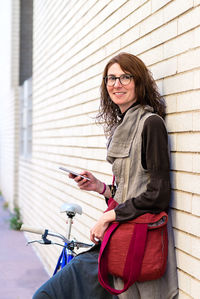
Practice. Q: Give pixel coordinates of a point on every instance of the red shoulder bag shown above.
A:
(134, 250)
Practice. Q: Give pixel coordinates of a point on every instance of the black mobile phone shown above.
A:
(74, 173)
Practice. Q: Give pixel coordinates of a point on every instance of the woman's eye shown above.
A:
(125, 77)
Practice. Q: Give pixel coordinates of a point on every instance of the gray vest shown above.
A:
(124, 152)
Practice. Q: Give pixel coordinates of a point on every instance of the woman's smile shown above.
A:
(119, 94)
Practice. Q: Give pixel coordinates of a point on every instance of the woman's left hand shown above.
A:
(97, 232)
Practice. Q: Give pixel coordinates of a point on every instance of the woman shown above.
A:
(132, 110)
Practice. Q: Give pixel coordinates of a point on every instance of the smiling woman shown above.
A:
(117, 95)
(132, 110)
(121, 87)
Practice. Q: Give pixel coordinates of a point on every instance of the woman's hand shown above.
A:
(92, 185)
(98, 231)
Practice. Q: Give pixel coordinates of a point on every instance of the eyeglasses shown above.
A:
(124, 79)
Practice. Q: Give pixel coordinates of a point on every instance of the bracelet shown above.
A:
(104, 189)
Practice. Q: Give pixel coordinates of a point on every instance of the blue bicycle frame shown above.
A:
(65, 257)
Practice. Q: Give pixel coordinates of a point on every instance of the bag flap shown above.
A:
(153, 220)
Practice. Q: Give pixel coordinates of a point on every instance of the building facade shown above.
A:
(56, 52)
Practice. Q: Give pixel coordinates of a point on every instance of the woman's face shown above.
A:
(122, 95)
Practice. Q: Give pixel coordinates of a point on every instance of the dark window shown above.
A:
(26, 40)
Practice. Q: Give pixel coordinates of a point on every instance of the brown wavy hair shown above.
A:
(145, 88)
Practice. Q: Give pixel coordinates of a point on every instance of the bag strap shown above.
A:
(133, 261)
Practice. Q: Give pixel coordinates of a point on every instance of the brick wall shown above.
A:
(9, 102)
(73, 40)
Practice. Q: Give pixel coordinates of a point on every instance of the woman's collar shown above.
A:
(121, 115)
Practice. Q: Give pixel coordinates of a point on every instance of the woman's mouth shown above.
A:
(118, 93)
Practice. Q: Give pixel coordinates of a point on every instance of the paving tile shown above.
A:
(21, 270)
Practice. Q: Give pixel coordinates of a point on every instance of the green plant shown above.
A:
(5, 205)
(15, 220)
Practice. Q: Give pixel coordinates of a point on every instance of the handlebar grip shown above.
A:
(32, 229)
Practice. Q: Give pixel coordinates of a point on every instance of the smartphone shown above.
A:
(74, 173)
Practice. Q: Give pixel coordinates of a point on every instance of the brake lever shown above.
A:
(44, 242)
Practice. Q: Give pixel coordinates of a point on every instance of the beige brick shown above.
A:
(152, 22)
(197, 37)
(179, 83)
(196, 121)
(159, 84)
(189, 285)
(140, 14)
(188, 182)
(176, 8)
(181, 122)
(152, 56)
(189, 20)
(195, 288)
(196, 163)
(180, 44)
(183, 241)
(188, 101)
(182, 201)
(187, 243)
(182, 161)
(195, 247)
(196, 79)
(164, 33)
(117, 30)
(196, 206)
(186, 222)
(183, 295)
(189, 264)
(171, 103)
(154, 38)
(130, 35)
(156, 4)
(184, 282)
(164, 68)
(189, 60)
(136, 4)
(114, 44)
(172, 142)
(188, 142)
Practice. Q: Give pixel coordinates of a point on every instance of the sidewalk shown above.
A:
(21, 272)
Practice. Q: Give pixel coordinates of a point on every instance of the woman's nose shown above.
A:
(117, 83)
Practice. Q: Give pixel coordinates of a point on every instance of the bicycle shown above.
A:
(68, 252)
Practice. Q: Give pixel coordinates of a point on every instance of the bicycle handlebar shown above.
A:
(45, 232)
(31, 229)
(42, 231)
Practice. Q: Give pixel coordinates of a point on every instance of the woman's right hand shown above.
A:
(89, 185)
